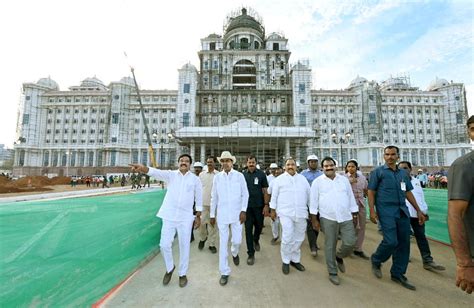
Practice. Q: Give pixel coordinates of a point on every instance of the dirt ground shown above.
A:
(264, 285)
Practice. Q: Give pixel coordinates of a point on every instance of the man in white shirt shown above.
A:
(289, 201)
(206, 230)
(184, 189)
(229, 197)
(275, 171)
(419, 230)
(332, 198)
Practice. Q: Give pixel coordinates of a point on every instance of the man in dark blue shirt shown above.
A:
(311, 174)
(388, 188)
(257, 208)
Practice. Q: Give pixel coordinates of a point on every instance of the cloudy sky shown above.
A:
(72, 40)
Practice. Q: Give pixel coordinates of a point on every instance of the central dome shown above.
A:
(244, 21)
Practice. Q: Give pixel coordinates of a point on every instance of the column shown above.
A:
(276, 155)
(50, 157)
(203, 151)
(192, 150)
(287, 148)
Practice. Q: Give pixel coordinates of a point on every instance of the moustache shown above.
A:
(329, 170)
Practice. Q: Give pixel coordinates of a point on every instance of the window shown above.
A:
(186, 88)
(301, 88)
(26, 119)
(302, 119)
(115, 118)
(276, 46)
(186, 119)
(372, 118)
(114, 139)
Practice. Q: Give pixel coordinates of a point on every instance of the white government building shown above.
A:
(245, 97)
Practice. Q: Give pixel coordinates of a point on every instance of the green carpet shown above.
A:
(437, 226)
(71, 252)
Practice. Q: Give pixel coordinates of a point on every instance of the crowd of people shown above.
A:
(221, 203)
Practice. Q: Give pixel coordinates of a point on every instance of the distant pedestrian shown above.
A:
(207, 232)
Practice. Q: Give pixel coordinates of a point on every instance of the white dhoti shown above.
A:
(168, 231)
(292, 235)
(236, 240)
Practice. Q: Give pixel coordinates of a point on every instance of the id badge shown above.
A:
(255, 181)
(403, 186)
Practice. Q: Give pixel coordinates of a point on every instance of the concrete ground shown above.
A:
(264, 285)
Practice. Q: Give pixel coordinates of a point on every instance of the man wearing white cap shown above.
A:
(229, 198)
(184, 189)
(311, 174)
(276, 220)
(198, 168)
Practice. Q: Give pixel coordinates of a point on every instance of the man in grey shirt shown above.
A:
(461, 214)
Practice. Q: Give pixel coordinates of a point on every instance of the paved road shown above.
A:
(264, 285)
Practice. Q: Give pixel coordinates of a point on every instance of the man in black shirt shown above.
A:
(257, 185)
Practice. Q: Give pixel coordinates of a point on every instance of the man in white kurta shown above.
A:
(333, 199)
(207, 232)
(184, 189)
(275, 223)
(289, 201)
(229, 199)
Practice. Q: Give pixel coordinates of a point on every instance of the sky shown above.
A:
(69, 41)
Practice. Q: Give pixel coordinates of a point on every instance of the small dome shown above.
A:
(92, 82)
(188, 66)
(213, 36)
(49, 83)
(437, 83)
(275, 36)
(245, 21)
(357, 81)
(128, 80)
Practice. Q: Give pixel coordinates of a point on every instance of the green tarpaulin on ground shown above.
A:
(73, 251)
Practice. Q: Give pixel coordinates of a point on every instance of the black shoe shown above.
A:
(361, 254)
(334, 279)
(236, 259)
(432, 266)
(183, 281)
(404, 282)
(256, 245)
(376, 269)
(298, 266)
(223, 280)
(250, 260)
(213, 249)
(167, 277)
(340, 265)
(285, 268)
(201, 244)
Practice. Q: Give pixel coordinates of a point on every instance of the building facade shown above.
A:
(245, 97)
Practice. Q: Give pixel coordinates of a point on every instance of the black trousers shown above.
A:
(421, 241)
(253, 220)
(312, 236)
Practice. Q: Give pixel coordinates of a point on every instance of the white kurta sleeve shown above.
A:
(214, 197)
(198, 194)
(160, 175)
(275, 191)
(245, 193)
(314, 198)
